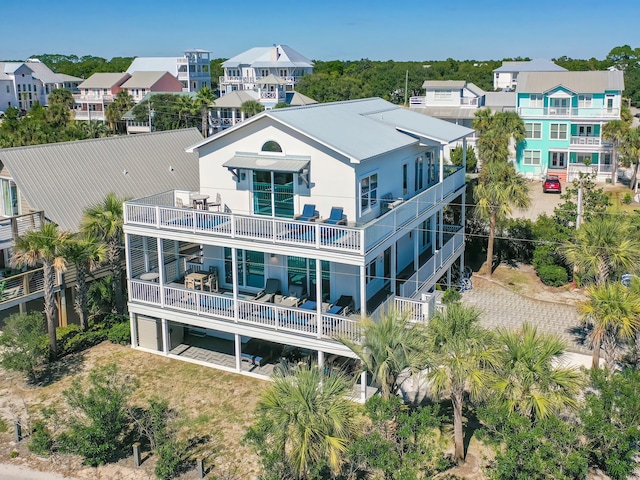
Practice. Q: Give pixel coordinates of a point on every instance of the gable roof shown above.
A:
(65, 178)
(296, 99)
(147, 79)
(577, 82)
(444, 84)
(154, 64)
(104, 80)
(235, 99)
(43, 73)
(11, 67)
(275, 56)
(358, 129)
(535, 65)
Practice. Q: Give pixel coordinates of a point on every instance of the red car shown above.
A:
(552, 184)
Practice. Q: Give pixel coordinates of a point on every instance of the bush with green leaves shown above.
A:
(456, 158)
(24, 345)
(549, 266)
(516, 241)
(99, 417)
(451, 295)
(40, 440)
(120, 333)
(610, 419)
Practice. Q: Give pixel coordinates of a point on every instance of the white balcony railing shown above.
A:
(567, 112)
(417, 102)
(587, 141)
(240, 80)
(19, 286)
(89, 115)
(14, 227)
(159, 211)
(92, 98)
(266, 315)
(430, 271)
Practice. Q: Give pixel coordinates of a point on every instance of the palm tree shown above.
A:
(105, 221)
(44, 246)
(631, 149)
(122, 103)
(530, 377)
(60, 96)
(614, 132)
(86, 253)
(462, 357)
(305, 419)
(389, 346)
(205, 97)
(251, 108)
(603, 246)
(495, 132)
(186, 108)
(613, 311)
(499, 190)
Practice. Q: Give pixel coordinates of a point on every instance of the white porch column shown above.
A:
(161, 270)
(321, 361)
(416, 250)
(238, 352)
(463, 222)
(394, 268)
(441, 228)
(441, 162)
(127, 255)
(134, 330)
(234, 277)
(145, 251)
(165, 337)
(363, 386)
(464, 154)
(318, 297)
(363, 291)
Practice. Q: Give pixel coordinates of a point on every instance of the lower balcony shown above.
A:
(20, 288)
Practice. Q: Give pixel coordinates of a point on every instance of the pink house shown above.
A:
(96, 92)
(141, 83)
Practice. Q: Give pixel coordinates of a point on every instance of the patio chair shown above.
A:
(271, 289)
(335, 217)
(343, 306)
(298, 292)
(309, 214)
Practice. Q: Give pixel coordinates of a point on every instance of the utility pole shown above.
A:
(406, 87)
(579, 216)
(149, 106)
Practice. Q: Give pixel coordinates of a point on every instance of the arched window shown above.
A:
(271, 146)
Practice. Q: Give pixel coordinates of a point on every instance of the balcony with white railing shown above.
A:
(588, 141)
(89, 115)
(92, 98)
(567, 112)
(161, 212)
(246, 312)
(242, 80)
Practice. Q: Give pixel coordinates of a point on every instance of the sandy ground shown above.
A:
(20, 472)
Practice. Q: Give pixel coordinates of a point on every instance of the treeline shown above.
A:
(84, 66)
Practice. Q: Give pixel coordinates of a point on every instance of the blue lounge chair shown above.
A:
(309, 214)
(335, 217)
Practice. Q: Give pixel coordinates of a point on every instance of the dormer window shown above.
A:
(271, 146)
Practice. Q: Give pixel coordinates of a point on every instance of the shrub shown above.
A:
(553, 275)
(120, 333)
(169, 459)
(543, 255)
(41, 441)
(516, 244)
(627, 198)
(24, 345)
(451, 295)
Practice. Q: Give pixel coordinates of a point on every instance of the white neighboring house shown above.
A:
(505, 77)
(247, 70)
(307, 219)
(458, 101)
(192, 69)
(24, 83)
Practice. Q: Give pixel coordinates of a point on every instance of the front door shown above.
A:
(558, 160)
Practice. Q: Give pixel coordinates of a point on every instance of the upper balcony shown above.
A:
(240, 80)
(92, 98)
(14, 227)
(421, 102)
(163, 212)
(567, 112)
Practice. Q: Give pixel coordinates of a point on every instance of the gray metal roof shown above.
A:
(500, 100)
(63, 179)
(268, 162)
(577, 82)
(154, 64)
(358, 129)
(275, 56)
(473, 88)
(235, 99)
(104, 80)
(146, 79)
(271, 79)
(43, 73)
(443, 84)
(447, 112)
(535, 65)
(296, 99)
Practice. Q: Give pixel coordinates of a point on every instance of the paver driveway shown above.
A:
(501, 307)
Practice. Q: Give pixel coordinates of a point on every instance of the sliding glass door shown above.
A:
(273, 194)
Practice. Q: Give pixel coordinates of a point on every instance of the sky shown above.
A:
(328, 30)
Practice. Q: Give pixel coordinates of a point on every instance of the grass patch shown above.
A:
(4, 425)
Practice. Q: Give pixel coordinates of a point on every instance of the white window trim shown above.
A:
(536, 100)
(531, 162)
(533, 130)
(566, 131)
(370, 204)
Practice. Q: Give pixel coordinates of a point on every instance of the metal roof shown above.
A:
(104, 80)
(274, 56)
(235, 99)
(154, 64)
(357, 129)
(499, 100)
(444, 84)
(148, 80)
(296, 99)
(577, 82)
(288, 164)
(271, 79)
(63, 179)
(535, 65)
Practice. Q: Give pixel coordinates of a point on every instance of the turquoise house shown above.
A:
(564, 113)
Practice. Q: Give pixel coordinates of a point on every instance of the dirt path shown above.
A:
(20, 472)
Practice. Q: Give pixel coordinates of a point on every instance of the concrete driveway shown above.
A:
(540, 202)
